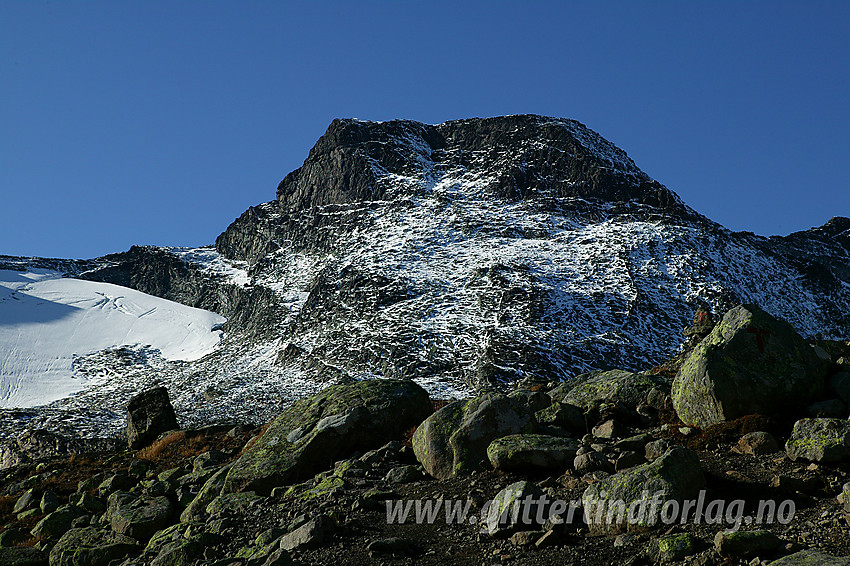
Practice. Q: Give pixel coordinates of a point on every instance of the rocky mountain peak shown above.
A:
(516, 157)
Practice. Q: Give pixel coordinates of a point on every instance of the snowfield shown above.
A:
(47, 321)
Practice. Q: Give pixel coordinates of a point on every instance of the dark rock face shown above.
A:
(559, 164)
(149, 414)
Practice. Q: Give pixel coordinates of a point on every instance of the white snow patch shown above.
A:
(46, 321)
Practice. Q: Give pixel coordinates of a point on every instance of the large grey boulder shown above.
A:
(454, 440)
(751, 363)
(526, 451)
(624, 501)
(617, 389)
(211, 489)
(819, 440)
(149, 414)
(54, 525)
(138, 517)
(315, 432)
(22, 556)
(91, 546)
(514, 507)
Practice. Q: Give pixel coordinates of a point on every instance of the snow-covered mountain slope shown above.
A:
(48, 322)
(466, 253)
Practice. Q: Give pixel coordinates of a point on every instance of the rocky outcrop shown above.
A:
(750, 363)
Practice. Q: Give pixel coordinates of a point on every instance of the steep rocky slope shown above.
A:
(474, 251)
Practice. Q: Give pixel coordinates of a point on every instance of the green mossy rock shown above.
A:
(197, 509)
(811, 558)
(675, 476)
(91, 546)
(54, 525)
(315, 432)
(22, 556)
(618, 388)
(138, 517)
(672, 548)
(745, 544)
(508, 510)
(525, 451)
(751, 363)
(454, 440)
(819, 440)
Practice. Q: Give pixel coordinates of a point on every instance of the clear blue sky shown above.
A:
(159, 122)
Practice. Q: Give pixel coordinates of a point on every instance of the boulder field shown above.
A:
(735, 452)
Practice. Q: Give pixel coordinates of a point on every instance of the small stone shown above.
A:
(610, 429)
(524, 538)
(394, 546)
(404, 474)
(656, 449)
(591, 462)
(757, 443)
(308, 535)
(549, 538)
(628, 459)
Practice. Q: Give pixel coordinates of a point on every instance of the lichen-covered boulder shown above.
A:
(91, 546)
(515, 506)
(819, 440)
(524, 451)
(315, 432)
(811, 558)
(149, 414)
(22, 556)
(56, 524)
(178, 552)
(616, 388)
(745, 544)
(138, 517)
(624, 501)
(751, 363)
(563, 415)
(454, 440)
(234, 503)
(197, 509)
